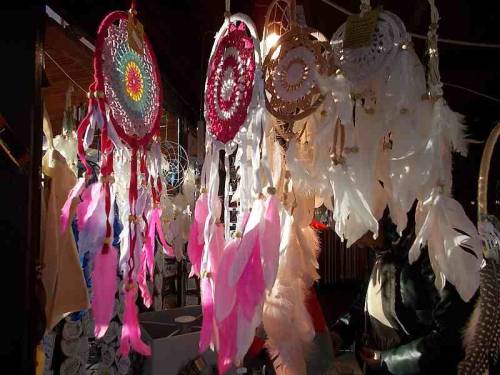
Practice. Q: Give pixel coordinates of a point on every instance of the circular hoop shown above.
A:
(360, 64)
(129, 81)
(484, 172)
(290, 73)
(174, 170)
(230, 80)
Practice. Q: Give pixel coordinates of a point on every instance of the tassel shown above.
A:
(196, 242)
(207, 304)
(91, 220)
(270, 241)
(104, 288)
(131, 332)
(76, 191)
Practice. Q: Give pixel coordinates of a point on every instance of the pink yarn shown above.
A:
(226, 114)
(76, 191)
(207, 304)
(104, 288)
(270, 241)
(195, 243)
(131, 333)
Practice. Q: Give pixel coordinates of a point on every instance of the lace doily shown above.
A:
(361, 63)
(230, 82)
(131, 81)
(291, 70)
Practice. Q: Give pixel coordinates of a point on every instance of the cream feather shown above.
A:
(284, 307)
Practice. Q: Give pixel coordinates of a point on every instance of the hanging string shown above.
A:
(433, 74)
(420, 36)
(486, 96)
(64, 72)
(227, 12)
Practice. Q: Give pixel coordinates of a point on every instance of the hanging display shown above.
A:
(234, 112)
(125, 107)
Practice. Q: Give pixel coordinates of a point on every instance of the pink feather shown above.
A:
(250, 288)
(93, 230)
(270, 241)
(156, 224)
(83, 206)
(207, 304)
(87, 209)
(196, 242)
(65, 211)
(141, 281)
(131, 332)
(104, 288)
(149, 245)
(248, 240)
(227, 342)
(224, 295)
(216, 248)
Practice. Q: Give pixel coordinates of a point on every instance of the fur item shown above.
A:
(482, 335)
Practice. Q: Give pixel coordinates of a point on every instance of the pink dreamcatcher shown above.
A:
(237, 266)
(230, 83)
(125, 105)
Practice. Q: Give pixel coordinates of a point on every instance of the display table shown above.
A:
(173, 335)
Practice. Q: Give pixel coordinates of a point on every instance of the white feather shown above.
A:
(444, 227)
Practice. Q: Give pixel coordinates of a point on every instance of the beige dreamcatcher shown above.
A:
(292, 68)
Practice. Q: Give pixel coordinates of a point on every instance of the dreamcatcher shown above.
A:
(232, 299)
(174, 166)
(396, 146)
(294, 69)
(177, 203)
(125, 104)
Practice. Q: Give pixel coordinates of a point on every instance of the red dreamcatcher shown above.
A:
(125, 105)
